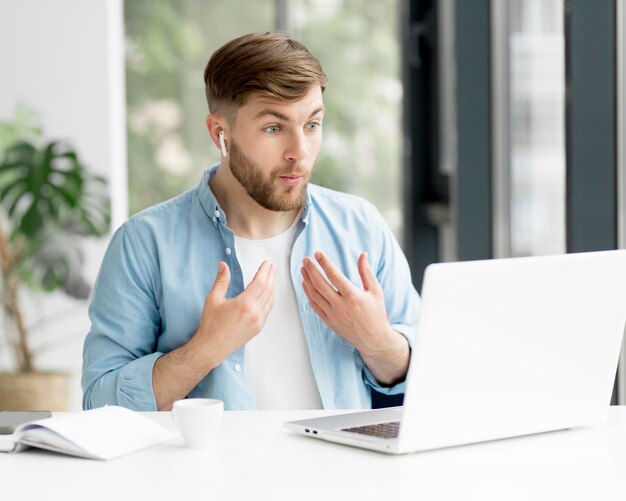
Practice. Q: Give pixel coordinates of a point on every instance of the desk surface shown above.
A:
(258, 458)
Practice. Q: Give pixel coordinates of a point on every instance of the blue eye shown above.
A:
(312, 126)
(272, 129)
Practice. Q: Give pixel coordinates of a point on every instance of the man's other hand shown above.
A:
(357, 314)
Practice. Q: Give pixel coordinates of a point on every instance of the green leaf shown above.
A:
(49, 197)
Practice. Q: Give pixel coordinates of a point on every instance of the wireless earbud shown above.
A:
(222, 144)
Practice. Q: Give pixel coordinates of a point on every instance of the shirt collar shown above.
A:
(207, 198)
(214, 211)
(306, 207)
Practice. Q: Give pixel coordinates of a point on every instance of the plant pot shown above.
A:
(34, 391)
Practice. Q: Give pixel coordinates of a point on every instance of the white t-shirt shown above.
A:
(276, 361)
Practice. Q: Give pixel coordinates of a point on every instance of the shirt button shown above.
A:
(217, 213)
(228, 251)
(237, 368)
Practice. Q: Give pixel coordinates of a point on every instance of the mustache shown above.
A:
(290, 171)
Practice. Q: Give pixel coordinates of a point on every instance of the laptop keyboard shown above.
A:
(381, 430)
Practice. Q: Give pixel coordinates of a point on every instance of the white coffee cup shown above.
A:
(199, 421)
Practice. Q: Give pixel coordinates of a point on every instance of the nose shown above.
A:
(297, 147)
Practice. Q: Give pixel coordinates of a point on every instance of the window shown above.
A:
(167, 46)
(537, 114)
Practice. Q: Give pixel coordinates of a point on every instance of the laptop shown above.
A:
(503, 348)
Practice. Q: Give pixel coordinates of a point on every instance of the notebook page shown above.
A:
(44, 438)
(104, 433)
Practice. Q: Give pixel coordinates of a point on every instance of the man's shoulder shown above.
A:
(168, 209)
(344, 211)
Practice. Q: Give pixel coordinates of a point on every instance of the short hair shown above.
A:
(271, 64)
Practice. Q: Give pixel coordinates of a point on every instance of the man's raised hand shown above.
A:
(227, 324)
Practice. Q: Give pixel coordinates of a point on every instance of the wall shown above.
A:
(65, 60)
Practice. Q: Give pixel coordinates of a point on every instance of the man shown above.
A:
(255, 288)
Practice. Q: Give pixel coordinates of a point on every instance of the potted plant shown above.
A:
(47, 199)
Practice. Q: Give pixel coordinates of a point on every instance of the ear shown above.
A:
(215, 124)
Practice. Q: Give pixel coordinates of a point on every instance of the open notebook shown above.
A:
(103, 433)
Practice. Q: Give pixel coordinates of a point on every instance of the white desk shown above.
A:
(257, 458)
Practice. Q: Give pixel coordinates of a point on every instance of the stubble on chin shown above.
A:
(265, 191)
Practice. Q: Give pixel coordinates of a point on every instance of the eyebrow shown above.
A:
(281, 116)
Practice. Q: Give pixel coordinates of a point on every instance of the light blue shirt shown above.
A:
(161, 264)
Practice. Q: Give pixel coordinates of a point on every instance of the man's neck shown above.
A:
(246, 218)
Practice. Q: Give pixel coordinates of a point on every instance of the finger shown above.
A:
(258, 283)
(335, 276)
(367, 274)
(314, 296)
(316, 307)
(222, 281)
(267, 307)
(317, 282)
(267, 294)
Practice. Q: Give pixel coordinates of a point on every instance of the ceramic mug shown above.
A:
(199, 421)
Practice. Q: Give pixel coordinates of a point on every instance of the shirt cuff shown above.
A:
(134, 384)
(397, 388)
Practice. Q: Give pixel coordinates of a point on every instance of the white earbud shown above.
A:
(222, 144)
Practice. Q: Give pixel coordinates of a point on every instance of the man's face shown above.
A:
(273, 148)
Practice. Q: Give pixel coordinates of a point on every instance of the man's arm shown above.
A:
(390, 364)
(225, 326)
(119, 357)
(119, 350)
(358, 315)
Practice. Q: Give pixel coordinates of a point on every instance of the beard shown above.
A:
(268, 192)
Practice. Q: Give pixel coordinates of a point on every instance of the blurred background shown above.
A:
(169, 43)
(480, 129)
